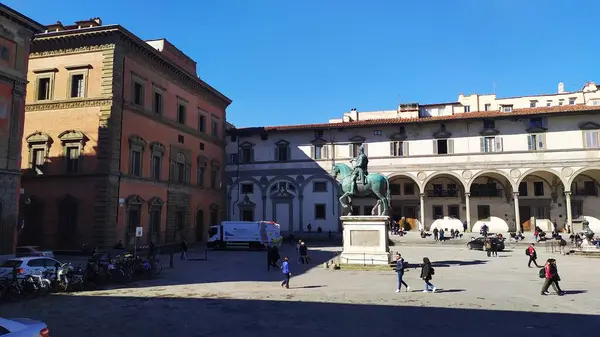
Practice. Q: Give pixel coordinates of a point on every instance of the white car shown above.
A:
(23, 327)
(33, 265)
(24, 251)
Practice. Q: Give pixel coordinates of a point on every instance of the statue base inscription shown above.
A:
(365, 240)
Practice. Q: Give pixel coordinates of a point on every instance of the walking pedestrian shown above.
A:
(435, 234)
(551, 278)
(298, 250)
(488, 247)
(494, 247)
(400, 266)
(530, 251)
(285, 269)
(427, 272)
(184, 250)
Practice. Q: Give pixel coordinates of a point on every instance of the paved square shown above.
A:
(232, 294)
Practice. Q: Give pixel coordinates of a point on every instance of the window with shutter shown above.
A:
(590, 139)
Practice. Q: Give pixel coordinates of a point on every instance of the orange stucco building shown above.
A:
(16, 32)
(120, 133)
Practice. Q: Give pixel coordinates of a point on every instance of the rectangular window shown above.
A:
(319, 186)
(438, 190)
(438, 212)
(136, 163)
(72, 159)
(571, 101)
(538, 188)
(487, 107)
(200, 176)
(491, 144)
(395, 189)
(43, 89)
(282, 153)
(467, 108)
(37, 158)
(213, 179)
(532, 104)
(320, 212)
(354, 149)
(246, 155)
(548, 103)
(489, 124)
(77, 85)
(483, 212)
(247, 188)
(201, 123)
(452, 190)
(181, 173)
(537, 122)
(233, 159)
(523, 191)
(377, 133)
(591, 139)
(442, 146)
(590, 188)
(507, 108)
(180, 220)
(138, 93)
(158, 103)
(181, 114)
(156, 167)
(409, 189)
(215, 127)
(154, 221)
(454, 211)
(320, 151)
(180, 139)
(318, 133)
(397, 149)
(561, 102)
(536, 142)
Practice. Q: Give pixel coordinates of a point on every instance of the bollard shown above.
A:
(171, 259)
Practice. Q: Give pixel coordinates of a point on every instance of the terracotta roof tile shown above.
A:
(399, 121)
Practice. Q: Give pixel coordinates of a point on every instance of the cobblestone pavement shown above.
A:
(232, 294)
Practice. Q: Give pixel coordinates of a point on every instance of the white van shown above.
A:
(247, 234)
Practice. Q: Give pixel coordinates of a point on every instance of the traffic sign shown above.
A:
(139, 231)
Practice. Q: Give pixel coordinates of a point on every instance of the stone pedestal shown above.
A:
(365, 240)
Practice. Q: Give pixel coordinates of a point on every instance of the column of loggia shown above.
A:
(517, 214)
(422, 210)
(468, 210)
(569, 212)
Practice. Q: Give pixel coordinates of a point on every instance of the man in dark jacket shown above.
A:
(552, 278)
(427, 273)
(400, 266)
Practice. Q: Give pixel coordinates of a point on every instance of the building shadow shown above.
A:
(190, 314)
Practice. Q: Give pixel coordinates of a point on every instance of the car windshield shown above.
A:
(212, 231)
(11, 264)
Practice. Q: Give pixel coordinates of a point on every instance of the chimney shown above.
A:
(561, 87)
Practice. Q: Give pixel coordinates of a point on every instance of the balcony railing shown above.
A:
(442, 193)
(585, 192)
(487, 193)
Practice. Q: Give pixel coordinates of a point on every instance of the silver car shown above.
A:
(24, 251)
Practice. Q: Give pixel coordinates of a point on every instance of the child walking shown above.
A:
(285, 269)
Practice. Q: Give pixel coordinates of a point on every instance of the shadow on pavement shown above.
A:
(106, 316)
(448, 263)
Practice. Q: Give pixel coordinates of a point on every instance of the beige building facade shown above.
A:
(503, 162)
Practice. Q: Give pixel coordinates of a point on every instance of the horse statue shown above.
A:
(375, 183)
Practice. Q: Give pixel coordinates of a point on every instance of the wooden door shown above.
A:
(525, 216)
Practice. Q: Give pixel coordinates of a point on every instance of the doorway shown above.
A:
(410, 214)
(200, 226)
(247, 215)
(525, 216)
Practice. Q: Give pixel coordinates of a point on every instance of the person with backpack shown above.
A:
(530, 251)
(427, 273)
(562, 244)
(550, 275)
(401, 265)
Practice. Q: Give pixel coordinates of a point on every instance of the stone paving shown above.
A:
(232, 294)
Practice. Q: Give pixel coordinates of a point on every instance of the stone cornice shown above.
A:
(68, 51)
(68, 104)
(134, 44)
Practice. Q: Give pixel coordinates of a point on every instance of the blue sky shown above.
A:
(305, 61)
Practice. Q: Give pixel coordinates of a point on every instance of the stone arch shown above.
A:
(536, 170)
(72, 136)
(493, 174)
(282, 178)
(585, 171)
(442, 174)
(235, 184)
(408, 176)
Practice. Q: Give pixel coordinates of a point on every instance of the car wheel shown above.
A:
(469, 246)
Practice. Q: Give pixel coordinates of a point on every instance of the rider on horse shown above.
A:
(360, 169)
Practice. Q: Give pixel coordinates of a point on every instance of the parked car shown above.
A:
(478, 243)
(28, 266)
(23, 327)
(32, 251)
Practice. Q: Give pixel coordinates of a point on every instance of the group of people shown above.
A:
(439, 234)
(427, 272)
